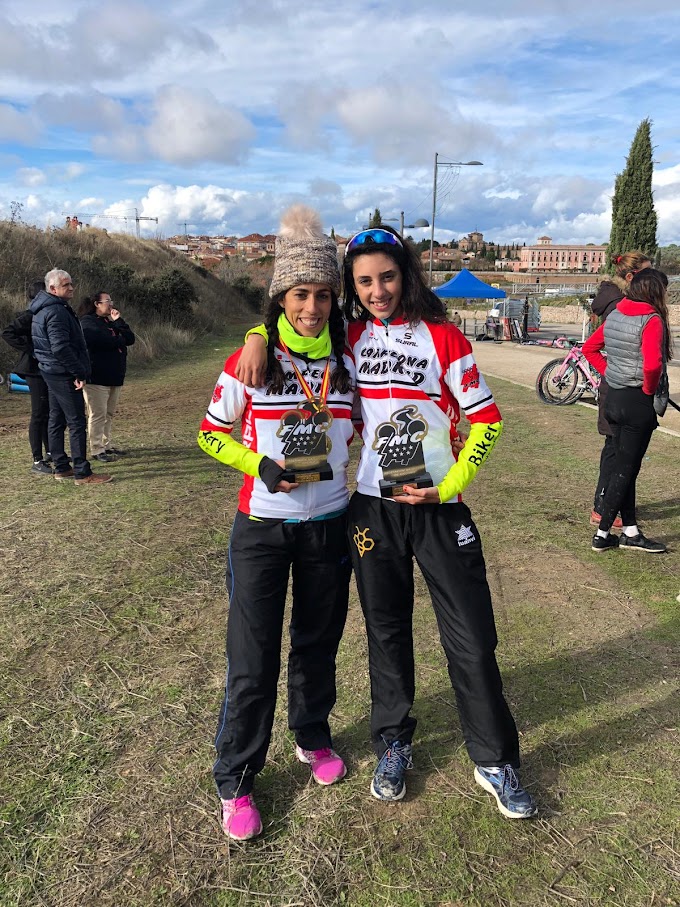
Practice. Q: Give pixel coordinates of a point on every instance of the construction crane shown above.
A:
(125, 217)
(197, 223)
(76, 217)
(139, 217)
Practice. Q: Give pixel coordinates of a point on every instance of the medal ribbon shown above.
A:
(319, 402)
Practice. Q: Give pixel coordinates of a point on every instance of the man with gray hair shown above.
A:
(59, 347)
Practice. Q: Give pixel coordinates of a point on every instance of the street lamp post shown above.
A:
(419, 224)
(437, 164)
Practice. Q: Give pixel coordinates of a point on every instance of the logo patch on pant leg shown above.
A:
(465, 536)
(362, 540)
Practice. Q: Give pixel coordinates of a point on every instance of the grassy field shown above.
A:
(112, 608)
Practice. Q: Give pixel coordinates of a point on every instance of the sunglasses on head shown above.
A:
(372, 237)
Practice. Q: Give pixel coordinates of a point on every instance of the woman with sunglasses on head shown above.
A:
(637, 340)
(107, 336)
(292, 516)
(609, 295)
(415, 376)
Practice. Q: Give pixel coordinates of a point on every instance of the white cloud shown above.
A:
(73, 171)
(16, 126)
(189, 126)
(31, 176)
(344, 110)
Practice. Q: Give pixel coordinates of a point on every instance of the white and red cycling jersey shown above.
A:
(260, 412)
(414, 382)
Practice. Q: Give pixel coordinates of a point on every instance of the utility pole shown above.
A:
(450, 165)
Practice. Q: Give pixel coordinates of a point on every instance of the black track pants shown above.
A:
(261, 555)
(630, 413)
(607, 462)
(384, 538)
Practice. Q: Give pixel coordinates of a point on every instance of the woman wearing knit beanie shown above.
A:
(291, 517)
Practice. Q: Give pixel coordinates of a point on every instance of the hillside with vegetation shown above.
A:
(167, 299)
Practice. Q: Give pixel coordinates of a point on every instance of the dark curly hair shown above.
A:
(340, 377)
(418, 303)
(650, 286)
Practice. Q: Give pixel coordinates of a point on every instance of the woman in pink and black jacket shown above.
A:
(636, 338)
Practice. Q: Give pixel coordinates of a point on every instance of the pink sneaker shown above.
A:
(327, 766)
(240, 818)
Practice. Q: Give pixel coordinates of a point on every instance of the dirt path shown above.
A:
(521, 365)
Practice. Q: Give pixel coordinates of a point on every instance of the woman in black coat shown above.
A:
(18, 335)
(107, 336)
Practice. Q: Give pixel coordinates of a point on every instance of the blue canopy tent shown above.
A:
(466, 286)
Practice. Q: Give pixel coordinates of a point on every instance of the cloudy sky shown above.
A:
(217, 114)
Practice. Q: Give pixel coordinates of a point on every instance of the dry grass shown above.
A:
(99, 261)
(112, 609)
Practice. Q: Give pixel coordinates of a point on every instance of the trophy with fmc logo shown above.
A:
(399, 443)
(304, 432)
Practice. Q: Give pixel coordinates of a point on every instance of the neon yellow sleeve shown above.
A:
(224, 448)
(260, 330)
(481, 441)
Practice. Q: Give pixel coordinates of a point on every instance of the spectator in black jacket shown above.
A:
(107, 337)
(59, 347)
(610, 294)
(18, 335)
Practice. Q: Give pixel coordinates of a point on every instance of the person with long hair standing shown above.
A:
(107, 337)
(609, 295)
(416, 376)
(18, 335)
(637, 340)
(292, 516)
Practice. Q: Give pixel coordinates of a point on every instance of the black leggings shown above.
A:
(607, 463)
(40, 411)
(630, 412)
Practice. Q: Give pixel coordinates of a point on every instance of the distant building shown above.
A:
(255, 245)
(473, 242)
(441, 255)
(545, 257)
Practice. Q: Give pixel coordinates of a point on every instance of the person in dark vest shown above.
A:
(18, 336)
(609, 295)
(637, 338)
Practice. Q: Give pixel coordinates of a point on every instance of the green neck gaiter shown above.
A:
(311, 347)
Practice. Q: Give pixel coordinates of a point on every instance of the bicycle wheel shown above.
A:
(554, 387)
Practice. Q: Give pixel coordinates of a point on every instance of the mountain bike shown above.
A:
(563, 381)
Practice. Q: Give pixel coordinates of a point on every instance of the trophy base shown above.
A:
(390, 489)
(301, 476)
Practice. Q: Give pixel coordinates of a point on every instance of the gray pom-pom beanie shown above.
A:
(304, 254)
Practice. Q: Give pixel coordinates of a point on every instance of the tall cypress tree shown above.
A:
(633, 214)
